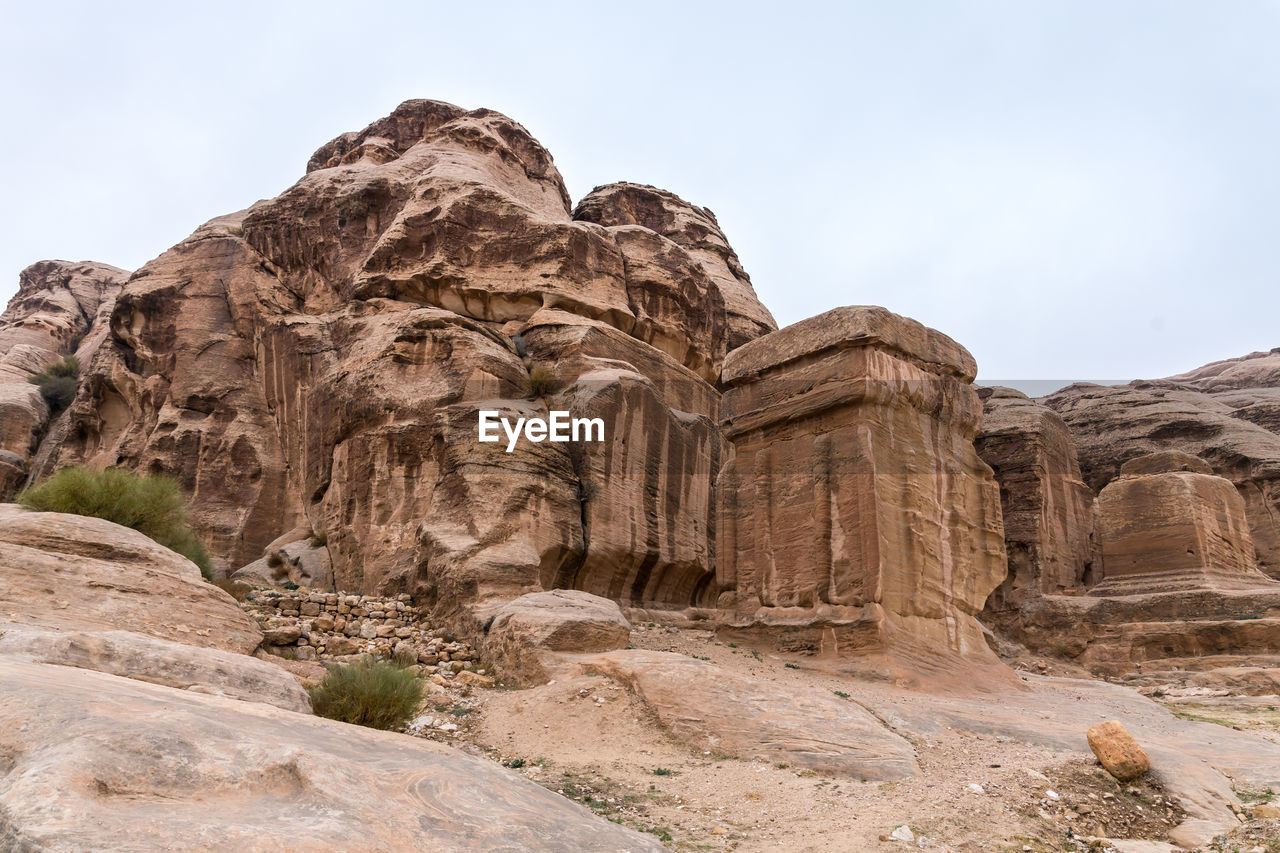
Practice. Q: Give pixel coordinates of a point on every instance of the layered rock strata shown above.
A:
(60, 310)
(312, 370)
(1113, 424)
(855, 514)
(1047, 508)
(1167, 523)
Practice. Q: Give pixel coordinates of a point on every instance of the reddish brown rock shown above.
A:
(647, 493)
(1047, 508)
(1112, 425)
(1167, 523)
(692, 228)
(856, 516)
(1117, 751)
(318, 362)
(60, 309)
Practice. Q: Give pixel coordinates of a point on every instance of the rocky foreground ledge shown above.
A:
(132, 716)
(132, 709)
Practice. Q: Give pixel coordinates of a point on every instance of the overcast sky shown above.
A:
(1070, 189)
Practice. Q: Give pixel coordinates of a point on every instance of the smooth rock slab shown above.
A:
(94, 762)
(710, 709)
(159, 662)
(71, 572)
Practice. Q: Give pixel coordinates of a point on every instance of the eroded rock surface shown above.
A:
(1166, 523)
(526, 631)
(60, 309)
(1047, 508)
(318, 362)
(709, 709)
(856, 515)
(90, 756)
(1113, 424)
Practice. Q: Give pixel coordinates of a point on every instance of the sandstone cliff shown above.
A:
(312, 369)
(59, 310)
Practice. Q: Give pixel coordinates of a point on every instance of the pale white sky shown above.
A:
(1077, 189)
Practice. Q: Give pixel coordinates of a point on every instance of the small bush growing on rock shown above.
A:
(152, 505)
(541, 382)
(58, 383)
(370, 692)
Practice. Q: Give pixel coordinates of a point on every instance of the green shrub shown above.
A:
(541, 382)
(152, 505)
(372, 693)
(58, 383)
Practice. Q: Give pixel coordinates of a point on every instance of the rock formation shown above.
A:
(1168, 523)
(130, 710)
(1112, 425)
(856, 514)
(1047, 508)
(312, 370)
(60, 309)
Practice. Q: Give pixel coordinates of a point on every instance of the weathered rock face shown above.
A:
(647, 493)
(59, 310)
(525, 632)
(692, 228)
(316, 365)
(1167, 523)
(319, 361)
(856, 514)
(1112, 425)
(1047, 508)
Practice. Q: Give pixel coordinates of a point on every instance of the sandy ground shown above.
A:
(587, 738)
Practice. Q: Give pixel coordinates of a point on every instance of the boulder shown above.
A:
(1114, 424)
(525, 630)
(298, 557)
(1117, 751)
(90, 756)
(856, 517)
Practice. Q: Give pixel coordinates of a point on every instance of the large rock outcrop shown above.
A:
(856, 515)
(1113, 424)
(60, 309)
(1047, 508)
(312, 369)
(318, 362)
(1167, 522)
